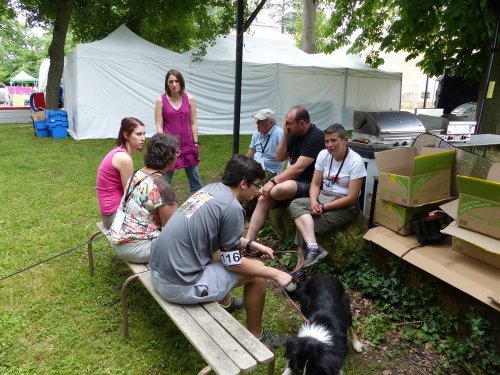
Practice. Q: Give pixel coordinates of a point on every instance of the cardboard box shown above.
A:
(479, 203)
(38, 116)
(476, 252)
(476, 278)
(483, 247)
(398, 218)
(411, 180)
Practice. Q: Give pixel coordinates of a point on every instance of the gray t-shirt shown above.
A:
(210, 219)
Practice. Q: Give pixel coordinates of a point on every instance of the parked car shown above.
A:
(466, 110)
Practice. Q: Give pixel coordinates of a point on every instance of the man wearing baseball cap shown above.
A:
(264, 141)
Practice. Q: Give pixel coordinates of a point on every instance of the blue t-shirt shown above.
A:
(265, 149)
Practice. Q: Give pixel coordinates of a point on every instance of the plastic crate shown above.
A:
(52, 113)
(40, 125)
(53, 124)
(56, 116)
(42, 133)
(59, 131)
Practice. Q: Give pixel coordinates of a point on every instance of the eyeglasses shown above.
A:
(257, 186)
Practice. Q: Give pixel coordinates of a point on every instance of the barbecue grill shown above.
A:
(386, 127)
(377, 131)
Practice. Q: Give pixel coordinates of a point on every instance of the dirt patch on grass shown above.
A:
(393, 355)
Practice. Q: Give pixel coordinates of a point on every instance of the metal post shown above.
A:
(237, 78)
(488, 75)
(240, 29)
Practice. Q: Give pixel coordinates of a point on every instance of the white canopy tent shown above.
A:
(116, 77)
(122, 74)
(278, 75)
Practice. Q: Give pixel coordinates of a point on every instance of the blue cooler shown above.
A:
(41, 128)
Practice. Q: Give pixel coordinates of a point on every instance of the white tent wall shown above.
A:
(319, 90)
(212, 83)
(122, 75)
(116, 77)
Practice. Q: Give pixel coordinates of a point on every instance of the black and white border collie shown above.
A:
(321, 346)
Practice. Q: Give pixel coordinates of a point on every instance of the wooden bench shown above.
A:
(223, 342)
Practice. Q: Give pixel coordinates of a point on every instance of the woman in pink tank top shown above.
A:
(175, 113)
(117, 166)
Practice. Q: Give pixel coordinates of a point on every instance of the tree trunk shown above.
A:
(490, 121)
(56, 52)
(309, 25)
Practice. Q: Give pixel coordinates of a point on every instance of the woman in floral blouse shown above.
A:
(147, 203)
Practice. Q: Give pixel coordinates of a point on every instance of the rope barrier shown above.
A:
(52, 257)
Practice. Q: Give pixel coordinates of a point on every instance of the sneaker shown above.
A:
(236, 304)
(273, 339)
(314, 255)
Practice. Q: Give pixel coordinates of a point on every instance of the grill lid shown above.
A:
(387, 125)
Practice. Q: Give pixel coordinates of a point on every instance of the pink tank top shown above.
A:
(109, 186)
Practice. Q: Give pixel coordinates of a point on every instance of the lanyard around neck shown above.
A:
(265, 144)
(341, 165)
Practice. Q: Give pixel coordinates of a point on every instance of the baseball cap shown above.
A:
(264, 114)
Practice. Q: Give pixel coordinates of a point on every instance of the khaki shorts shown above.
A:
(328, 221)
(214, 284)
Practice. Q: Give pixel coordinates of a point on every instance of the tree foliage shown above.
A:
(177, 25)
(447, 34)
(173, 24)
(20, 49)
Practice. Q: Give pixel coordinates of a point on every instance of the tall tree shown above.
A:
(285, 13)
(309, 25)
(449, 35)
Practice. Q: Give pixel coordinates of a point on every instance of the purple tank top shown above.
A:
(176, 122)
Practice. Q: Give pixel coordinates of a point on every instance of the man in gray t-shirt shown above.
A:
(196, 258)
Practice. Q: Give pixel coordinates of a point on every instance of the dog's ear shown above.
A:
(295, 354)
(328, 362)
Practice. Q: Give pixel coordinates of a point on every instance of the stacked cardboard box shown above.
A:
(409, 185)
(476, 230)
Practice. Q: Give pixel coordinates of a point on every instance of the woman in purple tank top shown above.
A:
(175, 113)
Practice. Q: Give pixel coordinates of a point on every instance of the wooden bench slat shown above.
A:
(134, 267)
(211, 353)
(258, 350)
(224, 340)
(102, 228)
(137, 267)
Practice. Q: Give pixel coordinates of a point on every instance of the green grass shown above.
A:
(55, 318)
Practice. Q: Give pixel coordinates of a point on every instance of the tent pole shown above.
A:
(240, 29)
(237, 78)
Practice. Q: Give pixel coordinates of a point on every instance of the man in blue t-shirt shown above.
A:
(264, 142)
(300, 144)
